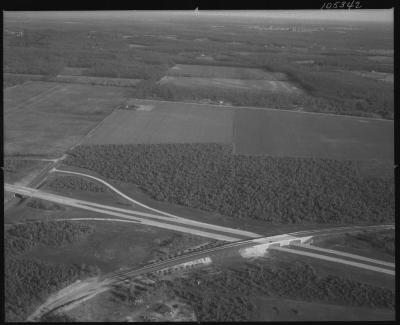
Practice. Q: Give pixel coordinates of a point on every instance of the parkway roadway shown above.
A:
(247, 243)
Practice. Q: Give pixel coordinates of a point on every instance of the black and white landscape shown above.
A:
(198, 166)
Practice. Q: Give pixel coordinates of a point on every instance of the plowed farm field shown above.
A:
(47, 118)
(165, 122)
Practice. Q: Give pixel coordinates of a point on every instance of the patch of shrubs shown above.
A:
(273, 189)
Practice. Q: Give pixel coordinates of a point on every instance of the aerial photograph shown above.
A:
(198, 165)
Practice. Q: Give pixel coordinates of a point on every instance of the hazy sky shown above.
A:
(371, 15)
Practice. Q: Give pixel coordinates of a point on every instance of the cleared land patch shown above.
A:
(193, 82)
(193, 76)
(283, 133)
(133, 45)
(210, 71)
(165, 123)
(46, 118)
(73, 71)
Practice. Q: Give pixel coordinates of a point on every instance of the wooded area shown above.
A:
(28, 282)
(276, 190)
(228, 295)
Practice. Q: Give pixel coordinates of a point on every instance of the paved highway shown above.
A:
(177, 224)
(76, 293)
(334, 259)
(116, 191)
(344, 254)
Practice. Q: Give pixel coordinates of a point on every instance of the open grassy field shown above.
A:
(46, 118)
(163, 122)
(296, 134)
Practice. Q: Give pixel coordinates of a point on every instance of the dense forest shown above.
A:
(276, 190)
(28, 282)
